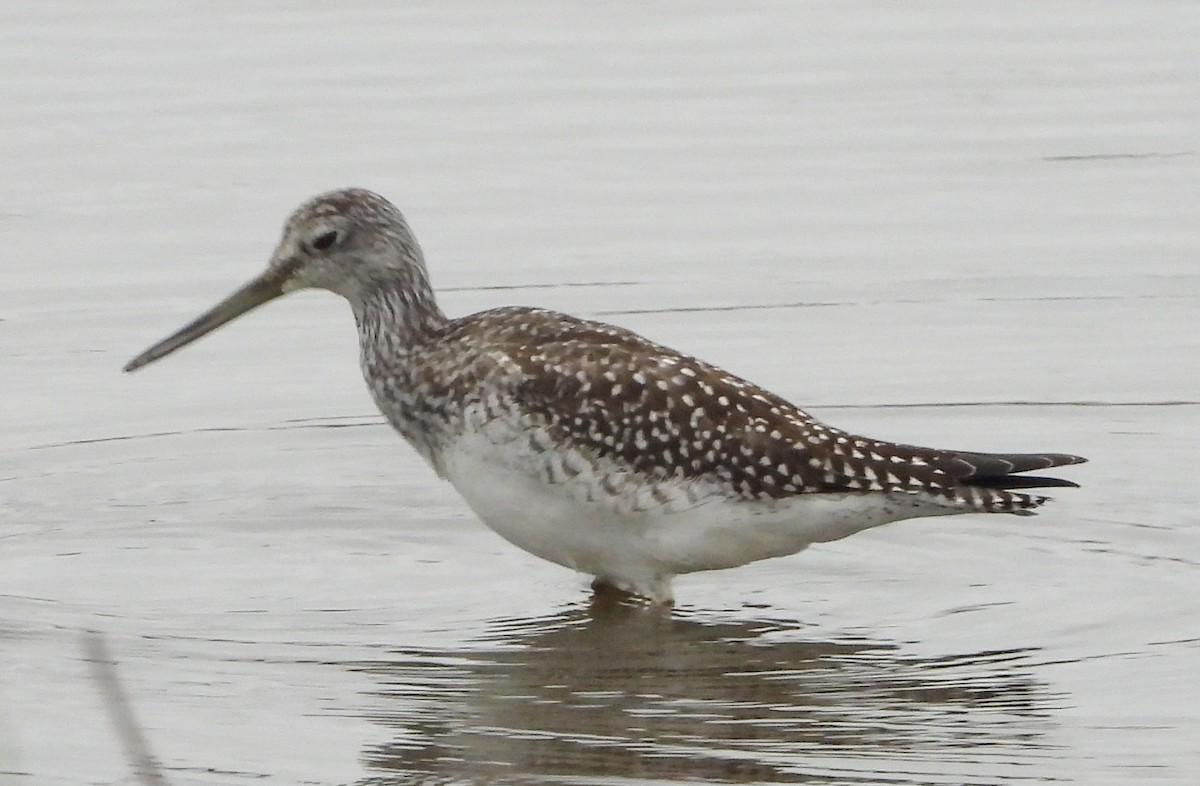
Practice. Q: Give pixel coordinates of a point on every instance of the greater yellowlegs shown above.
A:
(591, 446)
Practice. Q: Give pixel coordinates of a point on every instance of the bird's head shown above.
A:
(351, 242)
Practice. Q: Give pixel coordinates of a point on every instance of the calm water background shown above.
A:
(875, 209)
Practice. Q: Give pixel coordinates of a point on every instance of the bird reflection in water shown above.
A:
(614, 691)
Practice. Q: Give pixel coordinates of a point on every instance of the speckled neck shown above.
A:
(396, 311)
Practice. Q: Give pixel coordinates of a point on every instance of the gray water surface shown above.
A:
(959, 225)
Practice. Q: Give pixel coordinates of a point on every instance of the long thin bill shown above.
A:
(266, 287)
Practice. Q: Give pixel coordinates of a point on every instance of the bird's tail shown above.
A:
(961, 480)
(987, 481)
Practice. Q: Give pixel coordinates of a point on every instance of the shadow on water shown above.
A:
(630, 693)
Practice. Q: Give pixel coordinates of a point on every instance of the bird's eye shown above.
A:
(325, 241)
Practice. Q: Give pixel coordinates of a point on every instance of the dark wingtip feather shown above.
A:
(999, 470)
(995, 464)
(1063, 459)
(1021, 482)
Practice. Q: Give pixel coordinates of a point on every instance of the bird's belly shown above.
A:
(607, 523)
(553, 520)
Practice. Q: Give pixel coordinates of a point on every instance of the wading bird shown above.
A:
(591, 446)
